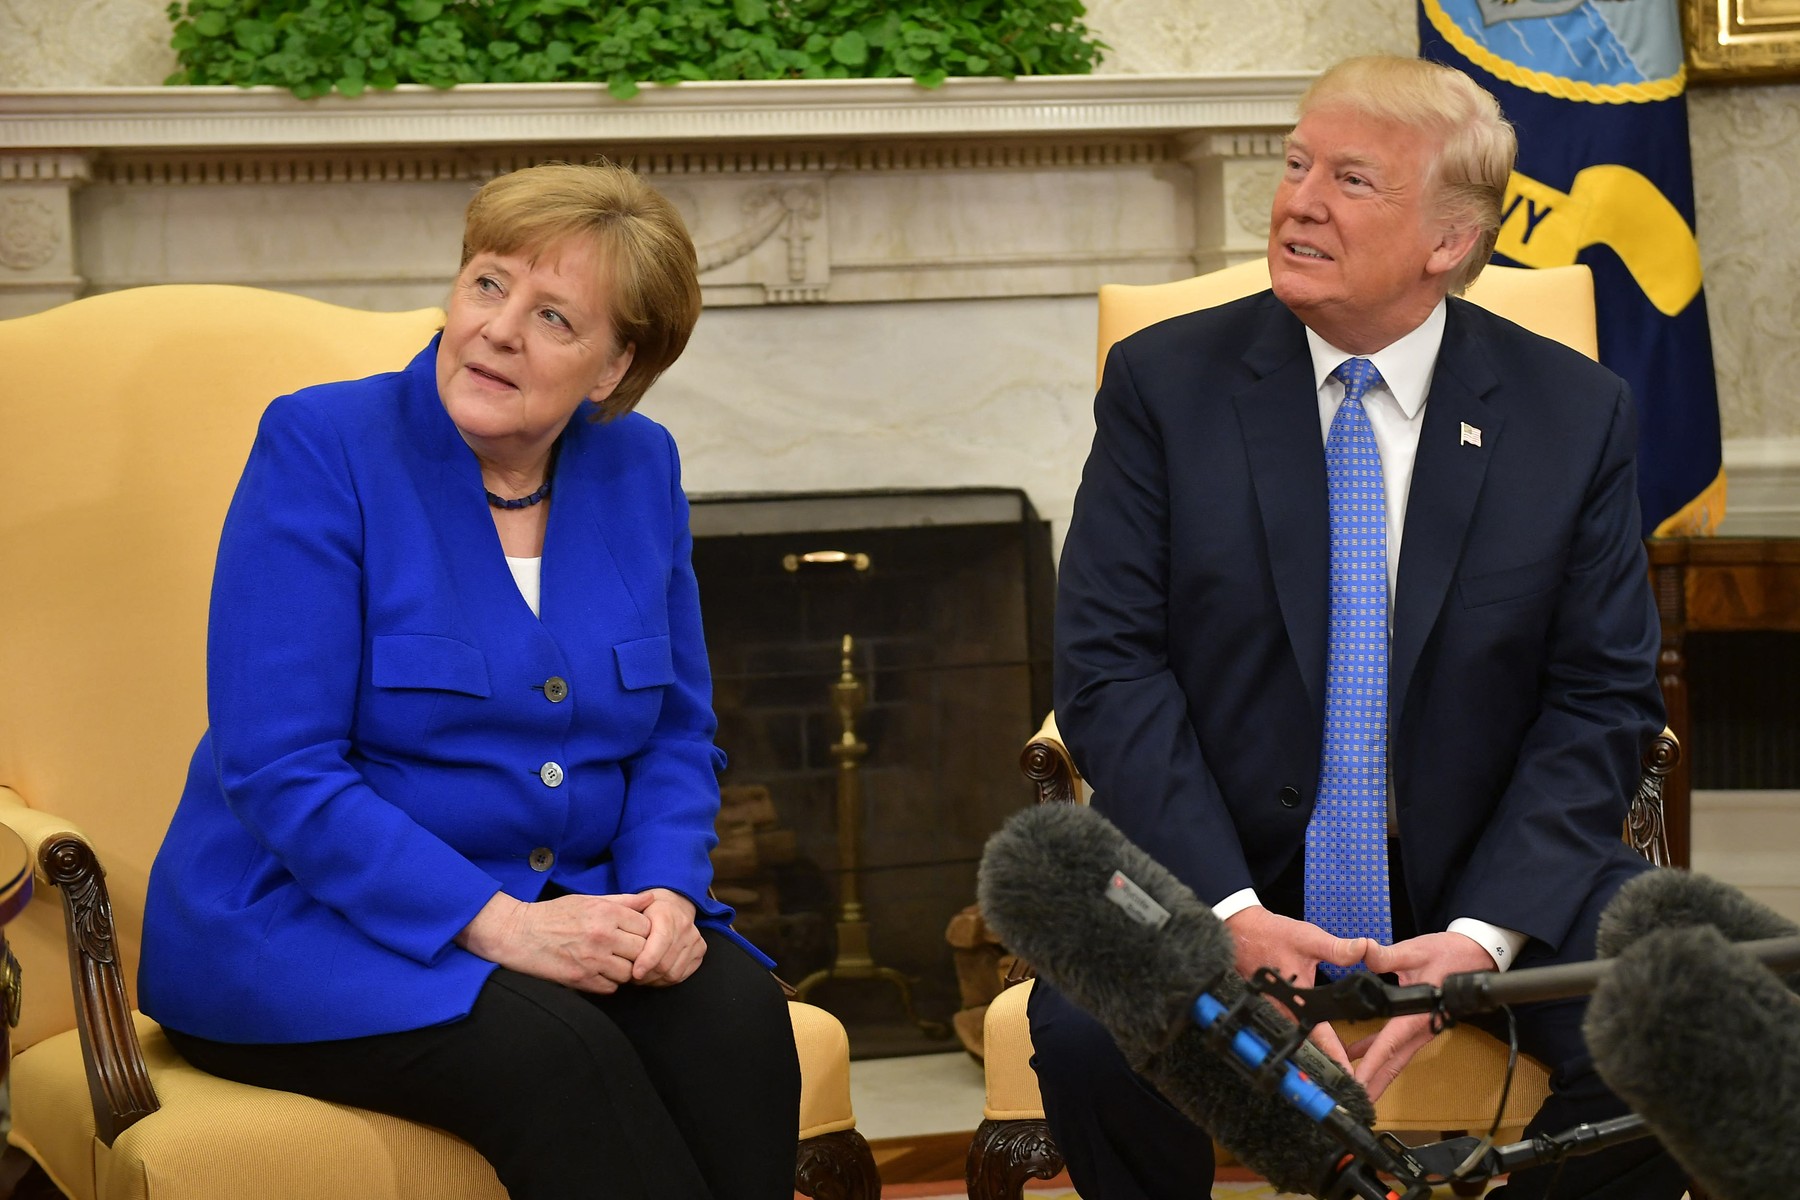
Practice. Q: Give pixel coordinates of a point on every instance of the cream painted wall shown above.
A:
(1748, 178)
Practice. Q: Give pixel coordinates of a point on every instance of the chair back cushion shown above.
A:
(127, 418)
(1556, 302)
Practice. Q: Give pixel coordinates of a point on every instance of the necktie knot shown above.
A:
(1357, 375)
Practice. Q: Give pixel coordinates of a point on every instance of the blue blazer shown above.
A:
(1191, 617)
(380, 725)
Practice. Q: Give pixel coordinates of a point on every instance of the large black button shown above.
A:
(1289, 797)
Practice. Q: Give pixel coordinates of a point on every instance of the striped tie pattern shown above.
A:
(1346, 842)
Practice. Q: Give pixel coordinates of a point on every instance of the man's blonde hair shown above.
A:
(1466, 181)
(650, 272)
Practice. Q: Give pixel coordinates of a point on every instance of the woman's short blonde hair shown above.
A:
(651, 274)
(1476, 145)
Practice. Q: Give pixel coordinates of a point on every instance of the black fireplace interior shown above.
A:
(950, 629)
(1744, 709)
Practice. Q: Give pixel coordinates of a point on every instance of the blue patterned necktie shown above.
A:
(1346, 842)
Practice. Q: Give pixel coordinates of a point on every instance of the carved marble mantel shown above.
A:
(803, 191)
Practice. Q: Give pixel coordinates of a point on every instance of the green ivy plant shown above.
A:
(313, 47)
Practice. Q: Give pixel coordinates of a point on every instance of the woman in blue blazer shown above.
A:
(443, 851)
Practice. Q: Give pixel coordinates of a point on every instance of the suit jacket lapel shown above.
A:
(1447, 479)
(1279, 413)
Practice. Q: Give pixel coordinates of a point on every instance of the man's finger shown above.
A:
(1409, 955)
(1389, 1052)
(1373, 1068)
(1326, 1039)
(1344, 952)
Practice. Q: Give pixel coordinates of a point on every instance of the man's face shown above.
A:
(1356, 248)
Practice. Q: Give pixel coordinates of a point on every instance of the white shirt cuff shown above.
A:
(1235, 903)
(1503, 944)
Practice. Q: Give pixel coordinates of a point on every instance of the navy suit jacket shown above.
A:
(1193, 600)
(373, 772)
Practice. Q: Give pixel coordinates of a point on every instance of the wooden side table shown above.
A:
(15, 894)
(1708, 585)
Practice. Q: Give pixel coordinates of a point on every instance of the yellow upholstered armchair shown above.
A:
(127, 419)
(1454, 1083)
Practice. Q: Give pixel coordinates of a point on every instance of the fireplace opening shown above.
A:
(879, 659)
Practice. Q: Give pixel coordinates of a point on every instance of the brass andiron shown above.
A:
(853, 959)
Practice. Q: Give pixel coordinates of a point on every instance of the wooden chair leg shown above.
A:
(1005, 1154)
(837, 1166)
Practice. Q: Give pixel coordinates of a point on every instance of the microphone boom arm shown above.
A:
(1360, 995)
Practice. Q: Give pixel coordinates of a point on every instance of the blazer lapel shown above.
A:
(1279, 414)
(1447, 478)
(593, 521)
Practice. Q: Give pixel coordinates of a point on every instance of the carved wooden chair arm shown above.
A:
(1644, 827)
(1047, 765)
(118, 1079)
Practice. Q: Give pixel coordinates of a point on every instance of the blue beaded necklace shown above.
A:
(542, 494)
(537, 497)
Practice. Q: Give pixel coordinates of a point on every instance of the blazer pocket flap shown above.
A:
(1512, 583)
(646, 662)
(424, 660)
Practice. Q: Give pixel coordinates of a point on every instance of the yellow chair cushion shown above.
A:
(1451, 1084)
(824, 1071)
(280, 1144)
(1012, 1089)
(295, 1147)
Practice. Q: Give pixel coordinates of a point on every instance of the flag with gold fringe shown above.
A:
(1596, 89)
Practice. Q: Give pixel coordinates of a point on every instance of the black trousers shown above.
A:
(1123, 1141)
(691, 1091)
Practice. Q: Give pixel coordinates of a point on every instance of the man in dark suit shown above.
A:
(1353, 630)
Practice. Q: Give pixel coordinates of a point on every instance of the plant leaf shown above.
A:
(850, 49)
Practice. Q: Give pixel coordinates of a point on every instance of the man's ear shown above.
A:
(615, 371)
(1453, 247)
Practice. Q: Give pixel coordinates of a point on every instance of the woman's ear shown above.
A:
(615, 371)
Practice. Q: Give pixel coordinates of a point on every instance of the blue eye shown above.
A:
(555, 318)
(487, 283)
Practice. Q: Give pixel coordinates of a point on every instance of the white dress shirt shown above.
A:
(1396, 409)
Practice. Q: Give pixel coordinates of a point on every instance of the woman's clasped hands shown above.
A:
(590, 943)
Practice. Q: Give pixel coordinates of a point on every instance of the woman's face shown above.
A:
(528, 339)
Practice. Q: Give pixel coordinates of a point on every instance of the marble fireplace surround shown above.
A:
(799, 192)
(899, 282)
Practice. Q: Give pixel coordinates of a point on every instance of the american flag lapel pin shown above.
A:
(1471, 436)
